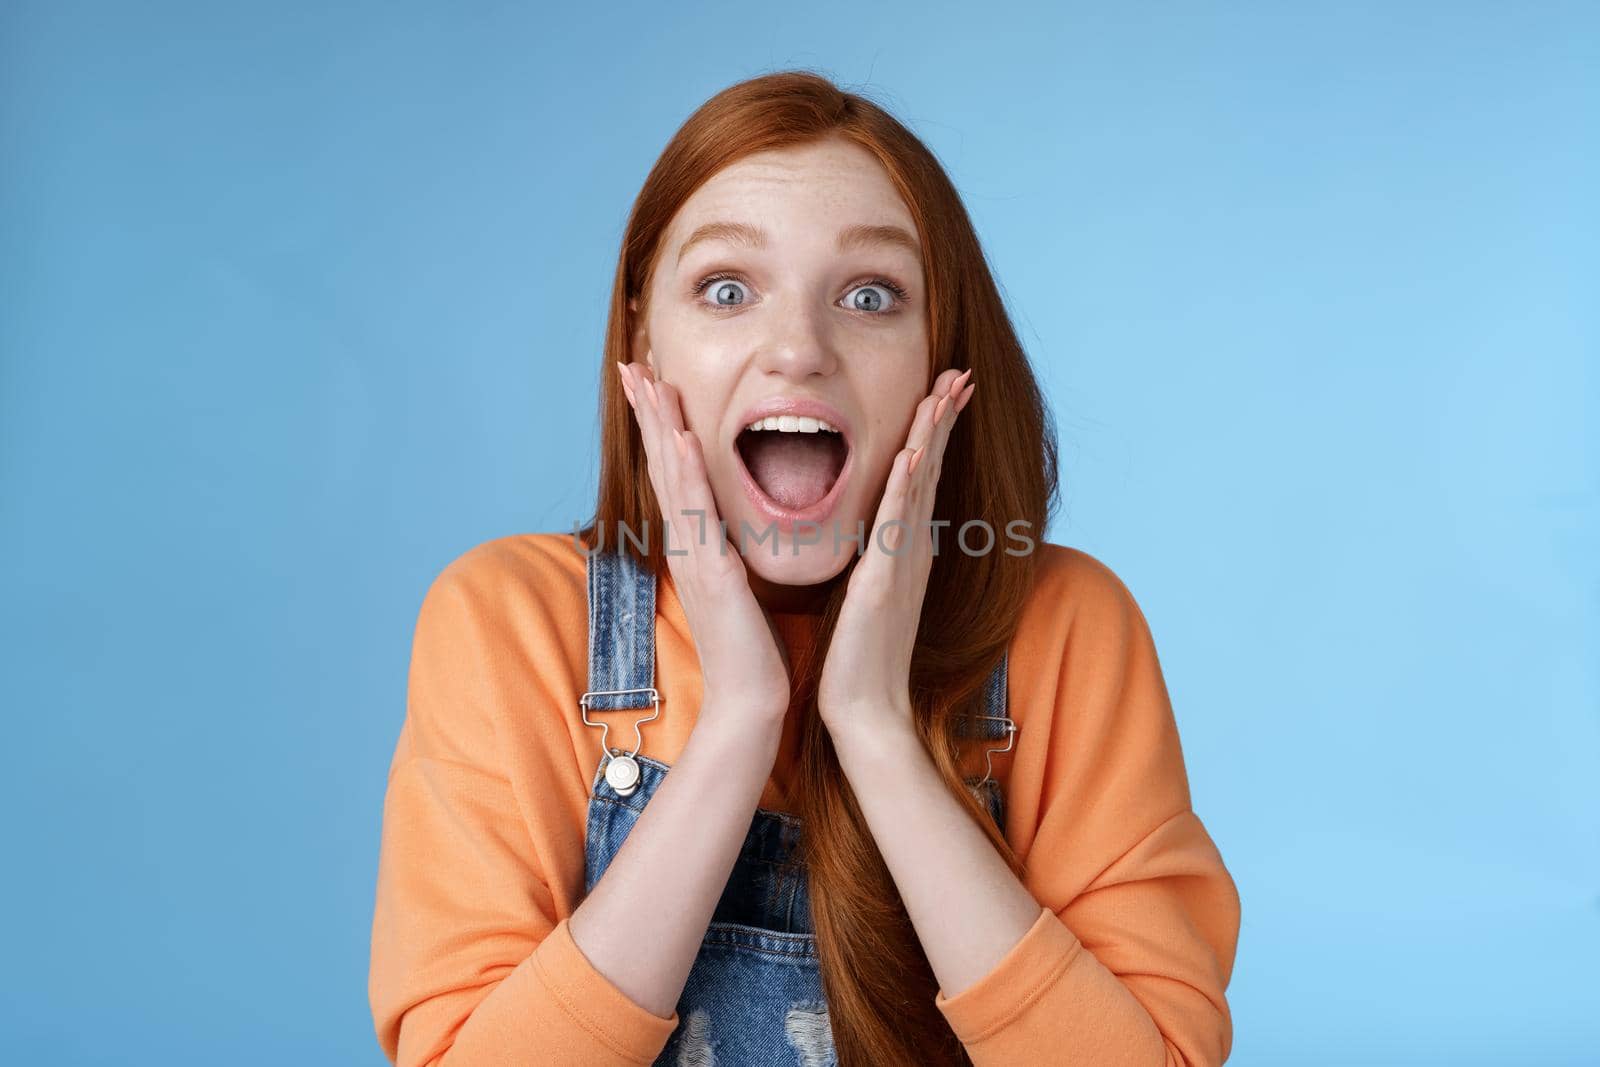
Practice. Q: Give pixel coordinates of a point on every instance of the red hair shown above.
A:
(999, 467)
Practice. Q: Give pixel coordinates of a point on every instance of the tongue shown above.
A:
(795, 469)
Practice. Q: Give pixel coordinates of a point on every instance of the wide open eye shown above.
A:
(878, 297)
(723, 292)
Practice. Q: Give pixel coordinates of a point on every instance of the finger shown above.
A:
(953, 386)
(946, 415)
(890, 529)
(693, 509)
(891, 504)
(627, 384)
(644, 386)
(962, 396)
(966, 396)
(921, 425)
(902, 533)
(933, 461)
(949, 379)
(932, 410)
(670, 404)
(944, 390)
(693, 484)
(667, 411)
(925, 469)
(649, 421)
(661, 453)
(695, 489)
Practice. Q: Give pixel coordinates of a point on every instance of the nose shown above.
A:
(797, 345)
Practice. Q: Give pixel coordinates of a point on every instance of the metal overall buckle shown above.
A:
(989, 754)
(621, 769)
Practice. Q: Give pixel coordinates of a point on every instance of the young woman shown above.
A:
(926, 801)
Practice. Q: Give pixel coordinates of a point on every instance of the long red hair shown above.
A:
(999, 466)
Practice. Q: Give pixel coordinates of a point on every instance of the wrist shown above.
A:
(871, 740)
(856, 712)
(742, 729)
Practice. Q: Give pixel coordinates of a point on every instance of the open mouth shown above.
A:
(795, 462)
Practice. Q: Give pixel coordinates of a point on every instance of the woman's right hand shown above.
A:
(741, 663)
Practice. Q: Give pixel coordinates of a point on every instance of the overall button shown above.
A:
(622, 774)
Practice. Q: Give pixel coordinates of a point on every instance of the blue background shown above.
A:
(301, 301)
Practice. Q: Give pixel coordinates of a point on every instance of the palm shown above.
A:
(865, 678)
(740, 662)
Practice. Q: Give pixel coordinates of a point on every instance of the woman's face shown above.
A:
(791, 281)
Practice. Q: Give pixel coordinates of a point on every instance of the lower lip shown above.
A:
(784, 518)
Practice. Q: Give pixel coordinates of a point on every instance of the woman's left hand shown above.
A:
(864, 691)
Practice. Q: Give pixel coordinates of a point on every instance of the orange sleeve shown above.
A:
(469, 964)
(1134, 945)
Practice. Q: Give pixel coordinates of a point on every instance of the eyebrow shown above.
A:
(858, 236)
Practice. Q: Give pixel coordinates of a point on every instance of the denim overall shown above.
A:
(754, 995)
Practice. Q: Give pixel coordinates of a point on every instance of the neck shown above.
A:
(789, 599)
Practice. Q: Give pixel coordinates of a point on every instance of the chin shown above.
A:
(798, 564)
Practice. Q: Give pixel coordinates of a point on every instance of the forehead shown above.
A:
(787, 192)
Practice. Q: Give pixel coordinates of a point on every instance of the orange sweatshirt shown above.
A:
(482, 853)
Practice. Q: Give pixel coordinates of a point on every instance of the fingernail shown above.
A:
(938, 409)
(916, 457)
(966, 396)
(959, 381)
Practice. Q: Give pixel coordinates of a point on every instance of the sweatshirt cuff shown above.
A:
(605, 1012)
(1021, 978)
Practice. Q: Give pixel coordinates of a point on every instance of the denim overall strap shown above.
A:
(622, 632)
(753, 997)
(993, 725)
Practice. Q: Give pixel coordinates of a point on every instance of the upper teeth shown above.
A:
(792, 424)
